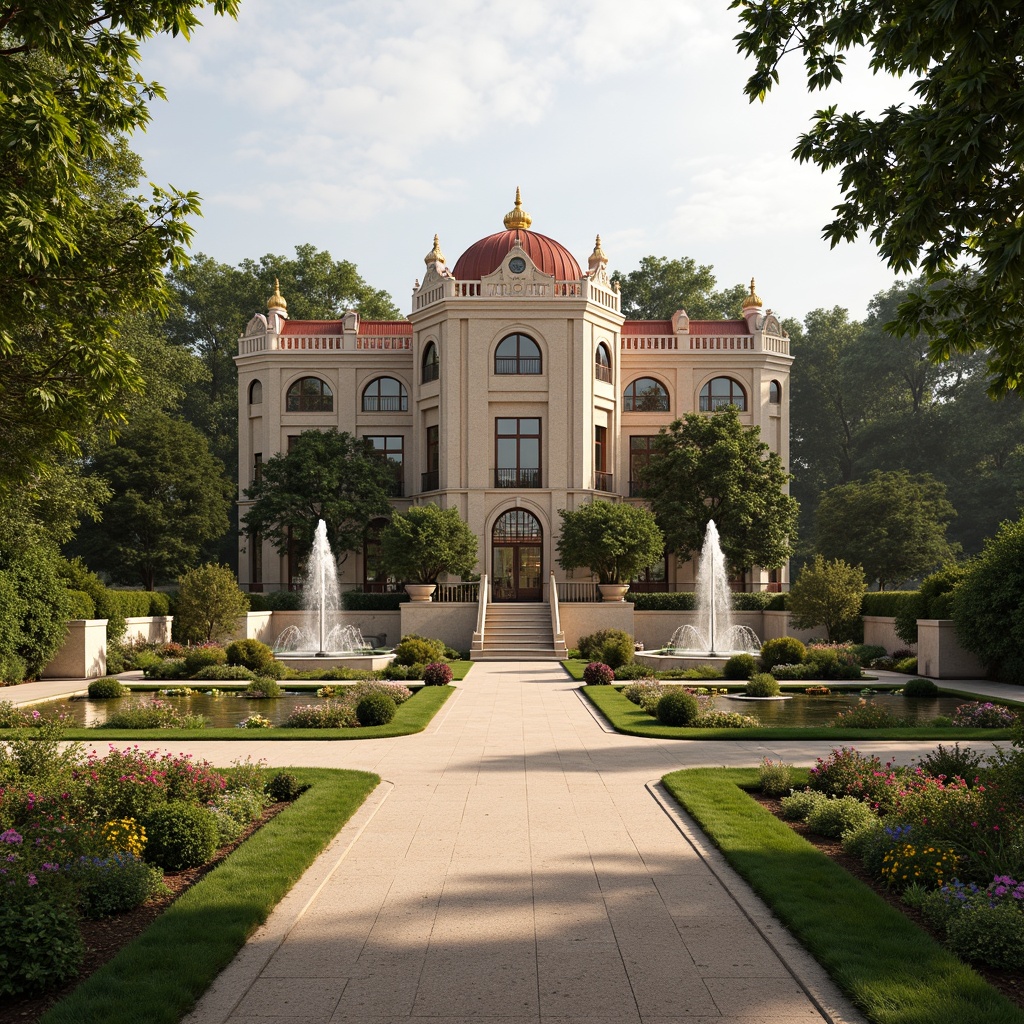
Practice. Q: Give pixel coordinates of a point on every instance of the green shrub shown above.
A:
(782, 650)
(888, 603)
(179, 836)
(235, 673)
(113, 885)
(644, 694)
(906, 665)
(633, 671)
(617, 651)
(12, 668)
(234, 811)
(197, 658)
(920, 688)
(699, 672)
(375, 709)
(284, 787)
(208, 604)
(775, 777)
(252, 654)
(598, 674)
(80, 605)
(933, 601)
(762, 684)
(157, 714)
(739, 666)
(988, 935)
(277, 601)
(835, 815)
(866, 714)
(418, 650)
(862, 840)
(437, 674)
(726, 720)
(677, 707)
(677, 601)
(331, 714)
(791, 673)
(263, 688)
(356, 601)
(107, 688)
(866, 653)
(952, 762)
(592, 646)
(40, 944)
(828, 593)
(798, 805)
(396, 671)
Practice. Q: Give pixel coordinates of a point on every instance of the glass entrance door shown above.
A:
(516, 557)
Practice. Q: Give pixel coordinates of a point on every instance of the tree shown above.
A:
(424, 541)
(936, 182)
(988, 604)
(327, 475)
(78, 248)
(661, 286)
(615, 541)
(209, 604)
(712, 467)
(892, 524)
(827, 594)
(170, 497)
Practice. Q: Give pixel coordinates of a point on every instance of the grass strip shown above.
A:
(893, 970)
(625, 717)
(411, 717)
(158, 977)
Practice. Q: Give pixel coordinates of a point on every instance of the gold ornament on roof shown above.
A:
(517, 218)
(276, 301)
(598, 253)
(435, 255)
(753, 299)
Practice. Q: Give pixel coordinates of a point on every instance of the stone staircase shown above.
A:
(518, 632)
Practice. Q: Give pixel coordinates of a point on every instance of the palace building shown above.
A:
(514, 388)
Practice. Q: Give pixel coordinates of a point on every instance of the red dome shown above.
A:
(484, 257)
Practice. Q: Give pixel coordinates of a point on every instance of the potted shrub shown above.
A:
(614, 540)
(421, 543)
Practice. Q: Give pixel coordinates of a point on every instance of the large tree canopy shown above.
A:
(712, 467)
(327, 475)
(938, 182)
(78, 248)
(615, 541)
(660, 286)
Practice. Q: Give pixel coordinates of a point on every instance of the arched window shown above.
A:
(256, 393)
(516, 557)
(720, 392)
(431, 364)
(645, 394)
(775, 392)
(603, 363)
(310, 394)
(385, 394)
(517, 353)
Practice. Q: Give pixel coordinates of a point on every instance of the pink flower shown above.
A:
(32, 880)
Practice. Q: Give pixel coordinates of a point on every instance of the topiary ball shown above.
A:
(739, 666)
(597, 673)
(283, 787)
(179, 836)
(197, 658)
(782, 650)
(252, 654)
(376, 709)
(920, 688)
(762, 684)
(678, 707)
(437, 673)
(107, 689)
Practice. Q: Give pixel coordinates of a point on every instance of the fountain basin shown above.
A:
(682, 659)
(307, 661)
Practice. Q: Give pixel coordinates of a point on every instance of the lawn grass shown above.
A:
(411, 717)
(158, 977)
(893, 970)
(626, 717)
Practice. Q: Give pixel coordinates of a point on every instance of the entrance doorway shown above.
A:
(516, 544)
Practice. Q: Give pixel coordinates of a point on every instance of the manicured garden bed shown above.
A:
(895, 972)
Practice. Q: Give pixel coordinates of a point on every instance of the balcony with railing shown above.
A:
(517, 367)
(604, 482)
(517, 478)
(385, 403)
(602, 372)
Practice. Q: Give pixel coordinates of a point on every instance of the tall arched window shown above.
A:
(310, 394)
(720, 392)
(603, 363)
(256, 393)
(775, 393)
(385, 394)
(645, 394)
(517, 353)
(431, 364)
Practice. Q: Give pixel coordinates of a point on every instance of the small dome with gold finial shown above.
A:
(753, 300)
(276, 301)
(517, 217)
(598, 256)
(435, 255)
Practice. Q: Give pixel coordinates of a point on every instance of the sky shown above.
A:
(365, 127)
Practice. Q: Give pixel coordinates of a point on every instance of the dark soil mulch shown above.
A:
(105, 938)
(1010, 983)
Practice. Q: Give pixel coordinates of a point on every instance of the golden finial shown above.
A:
(276, 301)
(435, 255)
(753, 299)
(598, 255)
(517, 218)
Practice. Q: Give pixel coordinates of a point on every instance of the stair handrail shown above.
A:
(556, 624)
(481, 609)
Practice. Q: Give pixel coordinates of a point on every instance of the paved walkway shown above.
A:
(520, 865)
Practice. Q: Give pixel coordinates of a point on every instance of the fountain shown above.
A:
(714, 638)
(321, 640)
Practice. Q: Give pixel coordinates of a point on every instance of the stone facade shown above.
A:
(504, 429)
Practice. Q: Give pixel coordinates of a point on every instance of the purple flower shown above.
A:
(32, 880)
(10, 836)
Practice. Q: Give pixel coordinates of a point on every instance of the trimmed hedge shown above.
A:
(129, 604)
(357, 601)
(81, 605)
(886, 602)
(276, 601)
(686, 601)
(759, 601)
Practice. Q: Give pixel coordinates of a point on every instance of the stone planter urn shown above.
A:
(613, 591)
(420, 591)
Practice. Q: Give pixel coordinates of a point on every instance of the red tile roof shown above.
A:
(719, 327)
(392, 328)
(308, 328)
(646, 328)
